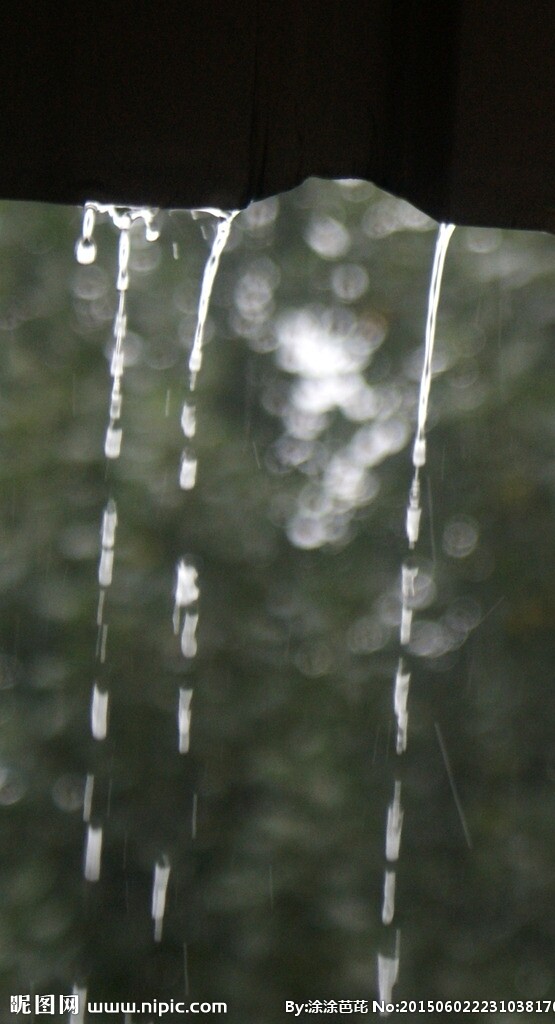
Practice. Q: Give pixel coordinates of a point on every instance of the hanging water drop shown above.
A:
(85, 250)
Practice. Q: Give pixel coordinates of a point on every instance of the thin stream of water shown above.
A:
(188, 470)
(208, 278)
(187, 589)
(389, 961)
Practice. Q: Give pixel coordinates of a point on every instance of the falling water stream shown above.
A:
(389, 961)
(122, 219)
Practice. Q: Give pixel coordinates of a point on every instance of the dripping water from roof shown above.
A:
(388, 966)
(419, 448)
(187, 590)
(208, 279)
(86, 251)
(188, 469)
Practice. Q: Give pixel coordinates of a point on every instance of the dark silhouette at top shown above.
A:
(450, 105)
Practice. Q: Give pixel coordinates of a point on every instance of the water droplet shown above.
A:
(93, 853)
(112, 444)
(184, 719)
(105, 567)
(406, 624)
(394, 825)
(188, 472)
(85, 251)
(109, 524)
(388, 972)
(99, 713)
(186, 590)
(115, 405)
(117, 363)
(388, 908)
(188, 420)
(400, 698)
(159, 888)
(188, 639)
